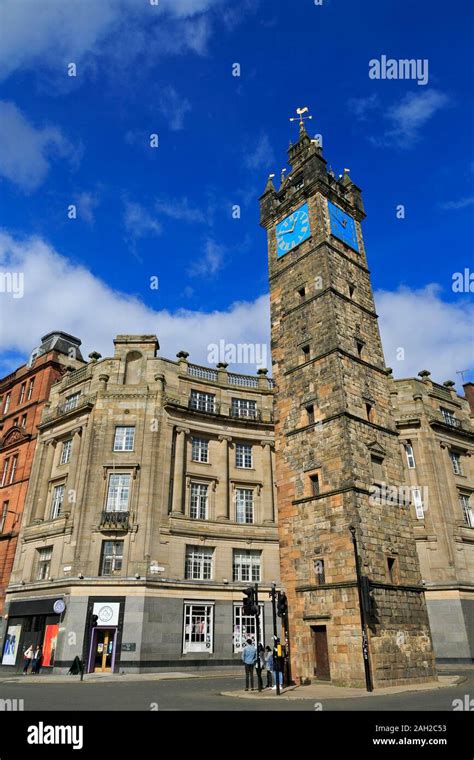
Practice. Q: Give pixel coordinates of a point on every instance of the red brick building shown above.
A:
(23, 394)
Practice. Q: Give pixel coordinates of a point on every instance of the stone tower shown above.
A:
(338, 462)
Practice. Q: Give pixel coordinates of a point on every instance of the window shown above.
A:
(202, 402)
(314, 481)
(377, 467)
(198, 627)
(66, 452)
(199, 498)
(418, 503)
(124, 438)
(392, 567)
(3, 515)
(244, 505)
(301, 292)
(306, 351)
(310, 414)
(369, 411)
(448, 416)
(243, 455)
(23, 420)
(410, 456)
(246, 565)
(198, 563)
(71, 402)
(57, 502)
(30, 389)
(359, 346)
(13, 469)
(118, 493)
(319, 571)
(5, 471)
(112, 557)
(456, 461)
(200, 450)
(44, 563)
(245, 627)
(8, 398)
(22, 393)
(15, 422)
(244, 407)
(351, 290)
(466, 510)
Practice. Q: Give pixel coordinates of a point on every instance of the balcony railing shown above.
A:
(67, 408)
(78, 376)
(114, 520)
(451, 422)
(205, 373)
(246, 414)
(246, 381)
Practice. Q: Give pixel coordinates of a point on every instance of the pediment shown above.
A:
(375, 448)
(13, 436)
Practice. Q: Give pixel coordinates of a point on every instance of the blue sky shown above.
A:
(166, 212)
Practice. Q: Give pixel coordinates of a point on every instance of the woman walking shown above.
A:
(27, 657)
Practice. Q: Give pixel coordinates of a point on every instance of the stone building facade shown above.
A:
(151, 507)
(23, 394)
(437, 443)
(336, 438)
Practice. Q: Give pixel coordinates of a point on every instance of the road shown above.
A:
(203, 694)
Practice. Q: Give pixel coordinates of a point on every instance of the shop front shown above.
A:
(103, 634)
(33, 622)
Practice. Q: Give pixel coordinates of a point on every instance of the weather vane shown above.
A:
(300, 117)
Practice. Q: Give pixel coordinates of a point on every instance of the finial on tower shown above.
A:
(301, 118)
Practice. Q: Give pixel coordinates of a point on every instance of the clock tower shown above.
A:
(338, 465)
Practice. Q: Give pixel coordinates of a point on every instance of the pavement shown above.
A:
(323, 691)
(115, 677)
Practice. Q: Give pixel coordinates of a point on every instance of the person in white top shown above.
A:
(27, 657)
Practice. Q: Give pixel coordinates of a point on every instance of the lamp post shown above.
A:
(363, 624)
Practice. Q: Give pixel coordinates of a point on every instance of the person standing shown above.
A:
(27, 657)
(269, 666)
(249, 658)
(37, 658)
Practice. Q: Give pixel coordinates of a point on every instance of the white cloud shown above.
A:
(139, 222)
(174, 108)
(436, 335)
(179, 208)
(211, 261)
(87, 203)
(261, 156)
(62, 295)
(409, 116)
(362, 107)
(458, 205)
(73, 30)
(26, 151)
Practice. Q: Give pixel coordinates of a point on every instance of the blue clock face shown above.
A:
(343, 226)
(293, 230)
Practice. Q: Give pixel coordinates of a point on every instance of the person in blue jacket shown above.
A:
(249, 658)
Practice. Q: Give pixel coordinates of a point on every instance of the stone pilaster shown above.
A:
(178, 503)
